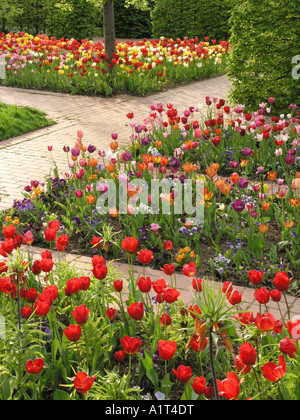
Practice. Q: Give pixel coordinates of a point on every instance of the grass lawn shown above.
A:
(15, 121)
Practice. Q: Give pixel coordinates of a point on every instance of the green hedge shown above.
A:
(265, 38)
(131, 22)
(193, 18)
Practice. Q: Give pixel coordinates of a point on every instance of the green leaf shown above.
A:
(60, 395)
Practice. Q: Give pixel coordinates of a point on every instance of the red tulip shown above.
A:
(265, 322)
(50, 234)
(100, 272)
(169, 269)
(275, 295)
(46, 265)
(28, 238)
(131, 345)
(96, 242)
(145, 256)
(245, 318)
(230, 387)
(41, 308)
(9, 231)
(273, 372)
(199, 385)
(288, 346)
(144, 284)
(136, 311)
(167, 349)
(120, 356)
(36, 268)
(81, 314)
(294, 328)
(110, 313)
(168, 245)
(159, 286)
(235, 297)
(26, 312)
(227, 288)
(241, 367)
(262, 295)
(3, 267)
(83, 383)
(73, 333)
(183, 373)
(130, 245)
(256, 277)
(247, 354)
(34, 368)
(165, 319)
(197, 284)
(7, 247)
(118, 285)
(189, 270)
(170, 295)
(62, 242)
(281, 281)
(54, 224)
(31, 295)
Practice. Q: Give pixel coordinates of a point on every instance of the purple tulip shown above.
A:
(247, 151)
(91, 149)
(243, 183)
(126, 156)
(75, 152)
(238, 205)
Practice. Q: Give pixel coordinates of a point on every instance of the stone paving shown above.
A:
(27, 158)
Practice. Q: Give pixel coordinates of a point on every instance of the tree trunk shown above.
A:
(109, 29)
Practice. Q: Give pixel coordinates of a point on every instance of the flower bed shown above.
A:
(82, 68)
(251, 216)
(68, 334)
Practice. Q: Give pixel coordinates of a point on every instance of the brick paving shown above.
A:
(26, 158)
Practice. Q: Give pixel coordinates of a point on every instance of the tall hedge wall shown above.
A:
(193, 18)
(265, 39)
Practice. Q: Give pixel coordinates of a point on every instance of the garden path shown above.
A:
(26, 157)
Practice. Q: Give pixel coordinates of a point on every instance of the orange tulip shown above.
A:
(164, 161)
(234, 178)
(142, 166)
(114, 145)
(297, 175)
(91, 199)
(110, 168)
(158, 144)
(244, 163)
(207, 194)
(212, 170)
(92, 162)
(272, 176)
(263, 228)
(289, 225)
(266, 206)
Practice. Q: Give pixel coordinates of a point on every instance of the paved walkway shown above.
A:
(26, 158)
(184, 284)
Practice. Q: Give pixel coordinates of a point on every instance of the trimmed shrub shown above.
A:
(265, 38)
(195, 18)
